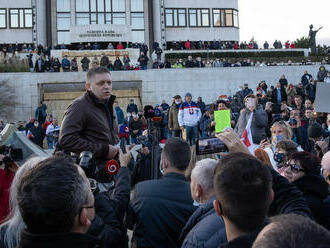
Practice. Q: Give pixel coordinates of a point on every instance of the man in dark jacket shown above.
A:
(201, 104)
(85, 63)
(132, 107)
(279, 95)
(161, 208)
(104, 60)
(230, 184)
(143, 60)
(117, 65)
(173, 122)
(66, 64)
(120, 114)
(57, 205)
(37, 134)
(305, 79)
(39, 65)
(90, 123)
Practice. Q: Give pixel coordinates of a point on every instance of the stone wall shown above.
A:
(155, 85)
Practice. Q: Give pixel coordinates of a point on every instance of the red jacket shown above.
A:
(6, 178)
(120, 46)
(293, 45)
(46, 124)
(187, 45)
(236, 46)
(287, 45)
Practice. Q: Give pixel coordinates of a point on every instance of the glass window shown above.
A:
(82, 18)
(107, 18)
(3, 18)
(100, 18)
(182, 17)
(28, 18)
(63, 6)
(119, 18)
(63, 21)
(118, 5)
(137, 20)
(229, 17)
(100, 5)
(137, 5)
(21, 18)
(93, 18)
(63, 37)
(199, 17)
(216, 18)
(93, 5)
(108, 5)
(205, 17)
(13, 13)
(81, 5)
(236, 18)
(192, 17)
(138, 36)
(169, 17)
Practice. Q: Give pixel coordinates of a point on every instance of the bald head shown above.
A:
(326, 167)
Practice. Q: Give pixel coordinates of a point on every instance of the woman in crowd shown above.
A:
(303, 170)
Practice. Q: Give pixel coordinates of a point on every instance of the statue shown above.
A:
(312, 38)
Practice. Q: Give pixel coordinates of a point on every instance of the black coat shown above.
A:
(38, 134)
(110, 210)
(159, 211)
(63, 240)
(283, 95)
(204, 228)
(315, 191)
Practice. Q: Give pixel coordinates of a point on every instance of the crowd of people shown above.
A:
(275, 195)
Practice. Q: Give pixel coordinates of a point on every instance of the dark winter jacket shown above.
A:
(305, 79)
(321, 74)
(117, 65)
(202, 106)
(120, 115)
(89, 125)
(104, 61)
(63, 240)
(173, 122)
(315, 191)
(132, 107)
(109, 213)
(38, 135)
(283, 95)
(85, 63)
(159, 211)
(204, 228)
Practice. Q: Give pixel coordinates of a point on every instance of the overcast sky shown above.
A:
(283, 19)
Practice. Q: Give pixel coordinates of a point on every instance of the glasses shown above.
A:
(294, 167)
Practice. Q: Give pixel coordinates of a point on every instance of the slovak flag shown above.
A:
(247, 135)
(29, 134)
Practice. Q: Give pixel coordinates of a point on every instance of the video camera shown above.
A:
(11, 155)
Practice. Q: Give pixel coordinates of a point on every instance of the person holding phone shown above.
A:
(259, 122)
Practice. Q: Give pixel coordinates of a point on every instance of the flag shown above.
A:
(29, 134)
(247, 136)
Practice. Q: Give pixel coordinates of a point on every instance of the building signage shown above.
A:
(100, 33)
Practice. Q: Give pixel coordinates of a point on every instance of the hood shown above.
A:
(312, 185)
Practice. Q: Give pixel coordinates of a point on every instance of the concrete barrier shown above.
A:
(157, 85)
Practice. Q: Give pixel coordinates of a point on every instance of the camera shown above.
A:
(11, 155)
(210, 145)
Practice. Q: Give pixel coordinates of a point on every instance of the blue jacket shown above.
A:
(65, 63)
(159, 210)
(120, 115)
(204, 228)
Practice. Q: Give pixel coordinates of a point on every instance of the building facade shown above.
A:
(54, 22)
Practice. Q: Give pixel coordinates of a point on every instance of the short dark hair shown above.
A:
(292, 230)
(243, 186)
(97, 70)
(51, 194)
(308, 161)
(178, 153)
(288, 145)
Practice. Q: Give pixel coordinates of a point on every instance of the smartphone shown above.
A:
(210, 145)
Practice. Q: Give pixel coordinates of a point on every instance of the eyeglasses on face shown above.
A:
(294, 167)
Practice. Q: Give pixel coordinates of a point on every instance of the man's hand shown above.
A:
(145, 151)
(125, 158)
(112, 152)
(232, 141)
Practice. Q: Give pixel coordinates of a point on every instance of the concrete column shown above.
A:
(128, 11)
(54, 23)
(73, 12)
(157, 24)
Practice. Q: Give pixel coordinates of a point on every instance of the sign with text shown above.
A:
(322, 99)
(100, 33)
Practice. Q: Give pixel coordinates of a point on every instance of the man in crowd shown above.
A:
(132, 107)
(305, 79)
(188, 117)
(40, 113)
(135, 127)
(279, 94)
(66, 64)
(90, 122)
(57, 205)
(173, 122)
(119, 113)
(52, 132)
(161, 208)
